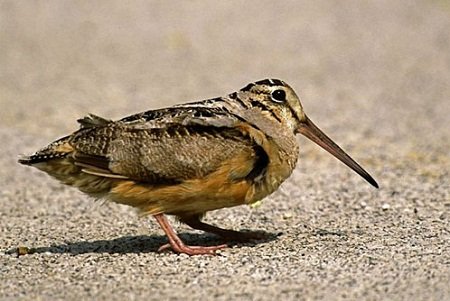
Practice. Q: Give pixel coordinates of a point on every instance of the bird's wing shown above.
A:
(174, 147)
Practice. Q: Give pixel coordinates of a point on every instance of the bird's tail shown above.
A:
(56, 150)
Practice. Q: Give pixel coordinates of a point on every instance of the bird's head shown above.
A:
(278, 101)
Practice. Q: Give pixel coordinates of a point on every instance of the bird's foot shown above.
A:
(192, 250)
(177, 245)
(229, 235)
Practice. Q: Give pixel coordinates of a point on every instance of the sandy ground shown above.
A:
(374, 75)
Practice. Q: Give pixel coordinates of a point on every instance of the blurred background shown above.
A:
(376, 62)
(374, 75)
(372, 70)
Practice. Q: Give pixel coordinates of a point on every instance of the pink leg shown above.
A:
(196, 223)
(177, 244)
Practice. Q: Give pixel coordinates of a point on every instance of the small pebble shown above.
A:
(287, 215)
(23, 251)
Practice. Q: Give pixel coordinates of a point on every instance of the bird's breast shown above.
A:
(282, 162)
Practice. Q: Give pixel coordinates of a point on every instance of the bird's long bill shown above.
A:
(311, 131)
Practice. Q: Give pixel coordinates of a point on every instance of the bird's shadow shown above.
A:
(137, 244)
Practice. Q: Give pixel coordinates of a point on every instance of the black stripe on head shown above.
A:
(278, 82)
(263, 107)
(270, 82)
(248, 87)
(294, 115)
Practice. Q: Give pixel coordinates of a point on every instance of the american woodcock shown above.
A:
(191, 158)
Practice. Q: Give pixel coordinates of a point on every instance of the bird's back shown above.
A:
(146, 159)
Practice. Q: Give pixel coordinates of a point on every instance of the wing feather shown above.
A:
(177, 146)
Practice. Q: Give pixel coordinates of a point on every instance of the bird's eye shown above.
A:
(279, 96)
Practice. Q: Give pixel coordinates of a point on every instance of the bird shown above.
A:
(191, 158)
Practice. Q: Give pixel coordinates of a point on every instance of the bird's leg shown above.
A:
(177, 244)
(196, 223)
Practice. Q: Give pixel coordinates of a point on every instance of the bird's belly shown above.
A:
(196, 196)
(187, 198)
